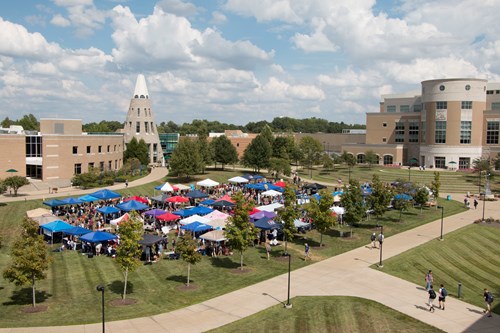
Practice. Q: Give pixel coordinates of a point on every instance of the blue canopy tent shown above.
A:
(132, 205)
(88, 198)
(54, 203)
(316, 196)
(196, 227)
(207, 202)
(108, 210)
(155, 212)
(223, 203)
(403, 196)
(184, 212)
(98, 236)
(76, 231)
(71, 201)
(267, 223)
(200, 210)
(197, 194)
(105, 194)
(53, 227)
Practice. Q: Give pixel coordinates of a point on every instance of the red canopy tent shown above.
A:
(280, 184)
(226, 198)
(167, 217)
(177, 199)
(137, 198)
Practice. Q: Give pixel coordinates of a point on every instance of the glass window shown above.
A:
(400, 132)
(404, 108)
(441, 87)
(33, 148)
(388, 159)
(495, 106)
(361, 158)
(152, 128)
(101, 166)
(441, 105)
(109, 148)
(440, 134)
(466, 105)
(391, 108)
(465, 131)
(440, 162)
(110, 163)
(89, 149)
(464, 162)
(75, 150)
(413, 132)
(467, 87)
(146, 127)
(423, 131)
(137, 127)
(138, 112)
(99, 149)
(417, 107)
(78, 168)
(114, 148)
(384, 124)
(91, 165)
(492, 130)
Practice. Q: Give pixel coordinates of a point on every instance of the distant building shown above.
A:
(168, 142)
(140, 122)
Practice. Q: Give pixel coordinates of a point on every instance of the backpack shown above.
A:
(444, 292)
(432, 294)
(489, 297)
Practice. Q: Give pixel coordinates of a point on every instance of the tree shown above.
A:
(402, 204)
(240, 232)
(435, 185)
(321, 214)
(205, 151)
(289, 214)
(280, 166)
(87, 179)
(327, 161)
(349, 160)
(6, 122)
(187, 249)
(352, 201)
(29, 123)
(380, 198)
(30, 259)
(186, 159)
(311, 150)
(371, 158)
(224, 151)
(15, 182)
(128, 252)
(137, 149)
(267, 133)
(258, 153)
(481, 165)
(421, 197)
(283, 146)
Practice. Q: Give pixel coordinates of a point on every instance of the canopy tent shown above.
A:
(44, 219)
(338, 193)
(108, 210)
(132, 205)
(225, 197)
(38, 212)
(223, 203)
(338, 210)
(216, 214)
(207, 183)
(300, 224)
(71, 201)
(264, 187)
(105, 194)
(253, 211)
(196, 194)
(56, 226)
(280, 183)
(160, 198)
(196, 227)
(193, 218)
(270, 208)
(366, 190)
(183, 212)
(403, 196)
(207, 202)
(316, 196)
(337, 198)
(149, 239)
(271, 193)
(76, 231)
(238, 180)
(155, 212)
(266, 223)
(217, 223)
(177, 199)
(314, 186)
(181, 187)
(117, 221)
(259, 215)
(201, 210)
(54, 203)
(137, 198)
(252, 177)
(214, 236)
(98, 236)
(167, 217)
(87, 198)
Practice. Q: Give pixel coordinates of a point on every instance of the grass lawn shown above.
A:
(329, 314)
(470, 256)
(69, 291)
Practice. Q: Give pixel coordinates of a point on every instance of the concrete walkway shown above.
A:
(346, 274)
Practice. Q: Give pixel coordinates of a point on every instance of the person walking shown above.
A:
(488, 299)
(442, 296)
(475, 203)
(306, 251)
(373, 238)
(428, 280)
(432, 297)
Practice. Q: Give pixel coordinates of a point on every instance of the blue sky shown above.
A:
(236, 61)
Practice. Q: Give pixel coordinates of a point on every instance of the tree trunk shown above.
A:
(33, 289)
(321, 239)
(125, 285)
(189, 270)
(400, 213)
(241, 260)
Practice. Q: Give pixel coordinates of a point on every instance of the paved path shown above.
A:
(345, 274)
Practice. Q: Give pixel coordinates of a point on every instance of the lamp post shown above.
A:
(486, 191)
(381, 241)
(409, 173)
(442, 216)
(288, 305)
(101, 289)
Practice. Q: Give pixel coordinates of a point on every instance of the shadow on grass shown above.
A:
(116, 287)
(224, 262)
(2, 204)
(24, 297)
(178, 278)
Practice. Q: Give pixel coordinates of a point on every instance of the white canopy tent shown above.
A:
(182, 187)
(167, 187)
(217, 223)
(216, 214)
(214, 236)
(207, 183)
(338, 210)
(194, 218)
(271, 193)
(270, 208)
(238, 180)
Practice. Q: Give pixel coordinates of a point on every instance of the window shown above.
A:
(101, 166)
(495, 106)
(152, 128)
(109, 165)
(78, 168)
(361, 158)
(441, 87)
(116, 164)
(391, 108)
(75, 150)
(146, 127)
(440, 162)
(467, 87)
(91, 165)
(466, 105)
(137, 127)
(400, 132)
(99, 149)
(464, 162)
(138, 112)
(384, 139)
(404, 108)
(489, 92)
(384, 124)
(492, 129)
(440, 134)
(109, 148)
(130, 124)
(417, 107)
(423, 132)
(33, 146)
(441, 105)
(388, 159)
(89, 149)
(465, 131)
(413, 132)
(114, 148)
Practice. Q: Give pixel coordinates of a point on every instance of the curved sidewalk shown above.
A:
(346, 274)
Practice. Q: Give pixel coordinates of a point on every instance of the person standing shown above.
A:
(442, 296)
(268, 250)
(428, 280)
(488, 299)
(306, 251)
(475, 203)
(373, 238)
(432, 297)
(126, 183)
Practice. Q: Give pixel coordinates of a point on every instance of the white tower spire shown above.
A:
(141, 89)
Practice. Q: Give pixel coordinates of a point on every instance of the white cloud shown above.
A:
(60, 21)
(265, 10)
(218, 18)
(83, 15)
(178, 7)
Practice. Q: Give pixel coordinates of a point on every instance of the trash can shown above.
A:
(448, 197)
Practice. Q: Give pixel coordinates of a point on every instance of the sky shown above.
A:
(236, 61)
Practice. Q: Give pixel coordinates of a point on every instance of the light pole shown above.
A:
(288, 305)
(486, 190)
(409, 173)
(381, 241)
(442, 216)
(101, 289)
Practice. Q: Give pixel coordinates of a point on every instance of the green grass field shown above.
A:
(328, 314)
(470, 256)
